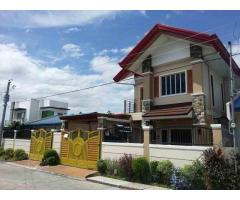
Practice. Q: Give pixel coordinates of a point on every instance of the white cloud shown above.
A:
(106, 66)
(72, 50)
(33, 78)
(168, 16)
(114, 51)
(143, 12)
(72, 29)
(127, 49)
(36, 19)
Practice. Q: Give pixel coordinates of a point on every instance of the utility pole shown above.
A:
(232, 122)
(5, 101)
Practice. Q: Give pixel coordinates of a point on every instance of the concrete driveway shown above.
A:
(20, 178)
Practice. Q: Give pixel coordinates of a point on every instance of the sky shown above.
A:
(47, 52)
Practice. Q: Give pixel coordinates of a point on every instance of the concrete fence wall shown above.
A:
(25, 144)
(114, 150)
(178, 155)
(19, 144)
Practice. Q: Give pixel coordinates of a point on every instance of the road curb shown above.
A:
(112, 185)
(45, 171)
(123, 184)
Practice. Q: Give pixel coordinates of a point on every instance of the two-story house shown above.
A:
(182, 83)
(35, 109)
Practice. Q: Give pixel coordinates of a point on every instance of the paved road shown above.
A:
(14, 177)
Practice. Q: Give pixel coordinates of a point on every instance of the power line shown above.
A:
(170, 43)
(113, 82)
(155, 47)
(134, 62)
(173, 43)
(141, 61)
(77, 90)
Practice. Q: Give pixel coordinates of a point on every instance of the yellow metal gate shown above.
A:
(80, 148)
(41, 140)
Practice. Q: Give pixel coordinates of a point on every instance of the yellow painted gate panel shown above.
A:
(41, 141)
(80, 148)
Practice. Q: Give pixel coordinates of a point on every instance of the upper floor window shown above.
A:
(147, 64)
(173, 84)
(19, 115)
(47, 113)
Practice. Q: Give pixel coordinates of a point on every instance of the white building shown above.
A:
(34, 109)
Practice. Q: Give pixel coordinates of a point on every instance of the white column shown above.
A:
(146, 140)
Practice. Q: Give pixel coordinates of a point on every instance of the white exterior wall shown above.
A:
(114, 150)
(25, 144)
(170, 51)
(19, 144)
(33, 111)
(53, 103)
(178, 155)
(57, 141)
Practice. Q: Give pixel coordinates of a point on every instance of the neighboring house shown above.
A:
(47, 123)
(117, 127)
(34, 109)
(182, 83)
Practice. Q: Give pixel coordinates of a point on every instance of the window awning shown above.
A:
(170, 110)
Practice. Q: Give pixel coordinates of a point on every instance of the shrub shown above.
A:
(51, 161)
(50, 153)
(112, 167)
(9, 154)
(20, 154)
(125, 166)
(178, 181)
(165, 171)
(2, 152)
(195, 175)
(102, 166)
(141, 170)
(153, 168)
(220, 173)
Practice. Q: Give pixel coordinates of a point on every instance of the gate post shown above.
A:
(217, 135)
(56, 140)
(146, 140)
(101, 128)
(14, 138)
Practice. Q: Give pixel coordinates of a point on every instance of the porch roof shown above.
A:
(170, 110)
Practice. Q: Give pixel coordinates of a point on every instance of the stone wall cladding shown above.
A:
(199, 108)
(147, 105)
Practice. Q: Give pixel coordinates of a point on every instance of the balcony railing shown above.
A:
(131, 106)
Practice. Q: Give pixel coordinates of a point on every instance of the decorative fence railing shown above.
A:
(20, 134)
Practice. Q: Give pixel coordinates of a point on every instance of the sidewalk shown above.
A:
(123, 184)
(62, 170)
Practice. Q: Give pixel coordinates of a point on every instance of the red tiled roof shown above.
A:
(170, 110)
(208, 39)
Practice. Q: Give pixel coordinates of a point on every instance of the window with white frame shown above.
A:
(173, 84)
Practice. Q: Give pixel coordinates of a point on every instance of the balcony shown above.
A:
(132, 105)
